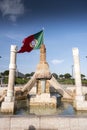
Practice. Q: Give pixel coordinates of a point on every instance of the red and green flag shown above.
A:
(32, 42)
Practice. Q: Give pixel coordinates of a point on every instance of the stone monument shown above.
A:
(43, 80)
(42, 75)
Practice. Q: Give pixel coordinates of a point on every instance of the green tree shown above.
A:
(27, 75)
(6, 72)
(32, 73)
(61, 76)
(82, 76)
(67, 76)
(55, 75)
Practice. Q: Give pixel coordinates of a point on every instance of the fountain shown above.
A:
(43, 90)
(45, 85)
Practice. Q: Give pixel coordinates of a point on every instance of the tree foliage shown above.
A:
(6, 72)
(67, 76)
(55, 75)
(82, 76)
(61, 76)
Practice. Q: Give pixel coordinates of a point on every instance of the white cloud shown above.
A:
(55, 61)
(14, 36)
(12, 8)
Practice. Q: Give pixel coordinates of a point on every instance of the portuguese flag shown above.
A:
(32, 42)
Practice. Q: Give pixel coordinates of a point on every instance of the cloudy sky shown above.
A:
(65, 27)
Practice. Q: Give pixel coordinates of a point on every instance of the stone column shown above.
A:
(77, 73)
(42, 54)
(38, 87)
(8, 104)
(47, 87)
(43, 85)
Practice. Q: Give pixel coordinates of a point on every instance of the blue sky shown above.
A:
(65, 27)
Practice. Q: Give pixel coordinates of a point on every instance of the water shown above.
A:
(65, 108)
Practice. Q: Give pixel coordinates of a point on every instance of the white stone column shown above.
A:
(77, 74)
(12, 72)
(77, 71)
(8, 104)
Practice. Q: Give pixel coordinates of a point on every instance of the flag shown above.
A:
(32, 42)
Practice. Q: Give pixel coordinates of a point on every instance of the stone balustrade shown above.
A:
(33, 122)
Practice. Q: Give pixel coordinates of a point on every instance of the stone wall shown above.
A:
(33, 122)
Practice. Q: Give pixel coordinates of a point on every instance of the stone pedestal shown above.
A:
(79, 103)
(43, 99)
(8, 105)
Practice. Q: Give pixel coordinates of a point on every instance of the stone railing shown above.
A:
(33, 122)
